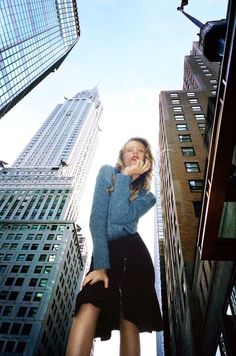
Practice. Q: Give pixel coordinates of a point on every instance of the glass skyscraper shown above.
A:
(42, 250)
(35, 38)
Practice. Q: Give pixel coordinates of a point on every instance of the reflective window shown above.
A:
(196, 185)
(185, 138)
(191, 167)
(181, 127)
(188, 151)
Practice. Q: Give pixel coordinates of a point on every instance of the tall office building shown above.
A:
(35, 38)
(42, 250)
(197, 141)
(182, 162)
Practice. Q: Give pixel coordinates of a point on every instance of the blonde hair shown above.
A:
(144, 180)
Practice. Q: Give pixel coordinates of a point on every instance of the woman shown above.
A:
(118, 291)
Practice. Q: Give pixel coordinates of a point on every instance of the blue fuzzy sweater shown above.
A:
(113, 214)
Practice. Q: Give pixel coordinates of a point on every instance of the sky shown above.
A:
(131, 50)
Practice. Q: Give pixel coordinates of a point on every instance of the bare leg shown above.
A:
(129, 339)
(82, 331)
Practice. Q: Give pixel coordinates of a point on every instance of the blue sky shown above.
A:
(132, 49)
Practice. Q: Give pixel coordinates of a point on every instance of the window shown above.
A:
(15, 269)
(47, 269)
(25, 247)
(24, 269)
(196, 185)
(46, 246)
(20, 347)
(3, 295)
(185, 138)
(30, 237)
(38, 237)
(19, 281)
(10, 236)
(13, 295)
(59, 237)
(177, 108)
(174, 95)
(196, 108)
(63, 227)
(13, 246)
(38, 269)
(26, 329)
(197, 208)
(190, 94)
(181, 127)
(201, 125)
(191, 167)
(199, 116)
(51, 258)
(5, 246)
(3, 268)
(193, 101)
(33, 282)
(43, 282)
(34, 247)
(20, 257)
(15, 328)
(188, 151)
(18, 236)
(43, 227)
(50, 237)
(8, 257)
(38, 296)
(28, 296)
(175, 101)
(29, 258)
(4, 328)
(9, 281)
(21, 312)
(42, 258)
(179, 117)
(32, 312)
(7, 311)
(9, 346)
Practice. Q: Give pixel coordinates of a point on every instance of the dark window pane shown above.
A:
(4, 328)
(26, 329)
(21, 311)
(15, 328)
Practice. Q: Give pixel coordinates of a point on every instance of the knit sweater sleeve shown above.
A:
(123, 211)
(98, 218)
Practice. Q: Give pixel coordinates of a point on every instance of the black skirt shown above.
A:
(131, 289)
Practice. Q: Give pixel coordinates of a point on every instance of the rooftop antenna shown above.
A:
(211, 36)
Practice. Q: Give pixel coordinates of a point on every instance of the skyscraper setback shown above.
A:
(35, 38)
(42, 249)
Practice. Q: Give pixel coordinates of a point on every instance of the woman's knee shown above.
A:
(87, 310)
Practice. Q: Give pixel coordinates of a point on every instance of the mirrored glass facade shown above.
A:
(35, 38)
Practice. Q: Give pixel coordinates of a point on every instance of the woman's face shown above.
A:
(133, 151)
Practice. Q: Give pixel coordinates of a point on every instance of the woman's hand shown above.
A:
(95, 276)
(135, 170)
